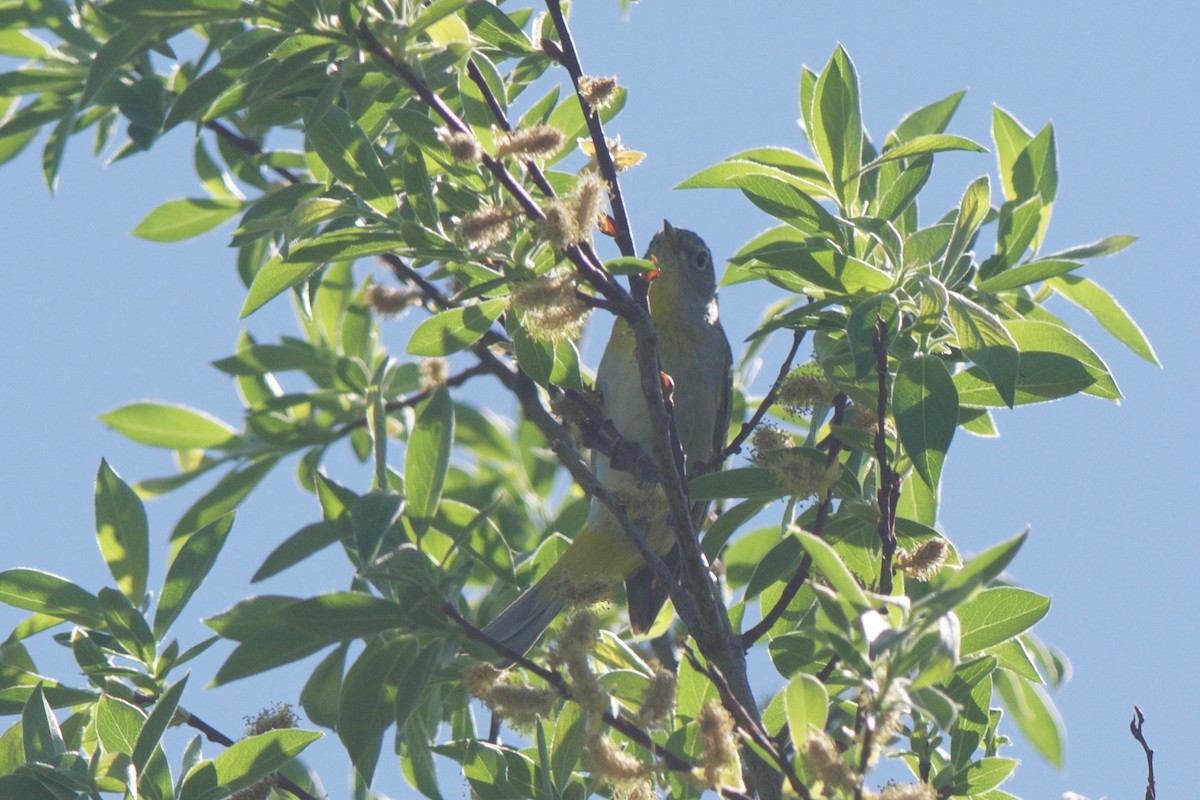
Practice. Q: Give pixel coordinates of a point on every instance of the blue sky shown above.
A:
(94, 318)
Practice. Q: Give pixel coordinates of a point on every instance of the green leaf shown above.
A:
(342, 616)
(185, 217)
(319, 698)
(923, 145)
(1029, 272)
(167, 425)
(22, 44)
(738, 482)
(1016, 228)
(156, 724)
(807, 704)
(122, 532)
(1010, 137)
(974, 206)
(997, 615)
(789, 203)
(926, 412)
(119, 48)
(1035, 715)
(128, 626)
(225, 497)
(42, 738)
(936, 704)
(305, 542)
(187, 571)
(346, 244)
(837, 130)
(350, 156)
(821, 270)
(118, 724)
(830, 565)
(368, 700)
(929, 119)
(275, 277)
(244, 763)
(988, 343)
(45, 593)
(1048, 341)
(985, 774)
(1092, 298)
(371, 517)
(453, 330)
(427, 456)
(1035, 171)
(56, 146)
(1105, 247)
(179, 11)
(963, 583)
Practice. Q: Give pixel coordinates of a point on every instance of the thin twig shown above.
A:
(888, 492)
(801, 574)
(670, 760)
(746, 721)
(748, 427)
(1135, 728)
(411, 399)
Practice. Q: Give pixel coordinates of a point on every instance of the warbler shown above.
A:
(694, 353)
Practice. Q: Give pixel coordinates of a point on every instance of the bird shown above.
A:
(695, 354)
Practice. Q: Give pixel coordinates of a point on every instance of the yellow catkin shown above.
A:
(720, 765)
(598, 91)
(926, 561)
(540, 141)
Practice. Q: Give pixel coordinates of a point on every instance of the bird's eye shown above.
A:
(701, 259)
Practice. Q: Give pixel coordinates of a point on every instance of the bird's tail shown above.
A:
(519, 626)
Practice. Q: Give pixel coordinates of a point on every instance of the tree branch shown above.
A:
(604, 159)
(735, 446)
(888, 492)
(1135, 728)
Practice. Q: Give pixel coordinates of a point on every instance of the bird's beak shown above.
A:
(668, 230)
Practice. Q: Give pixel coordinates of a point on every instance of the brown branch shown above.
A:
(249, 147)
(411, 399)
(888, 492)
(555, 680)
(748, 427)
(801, 574)
(1135, 728)
(747, 722)
(604, 160)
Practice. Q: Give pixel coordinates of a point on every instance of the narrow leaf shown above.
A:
(188, 570)
(453, 330)
(427, 456)
(45, 593)
(1092, 298)
(925, 404)
(167, 425)
(244, 763)
(122, 532)
(176, 220)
